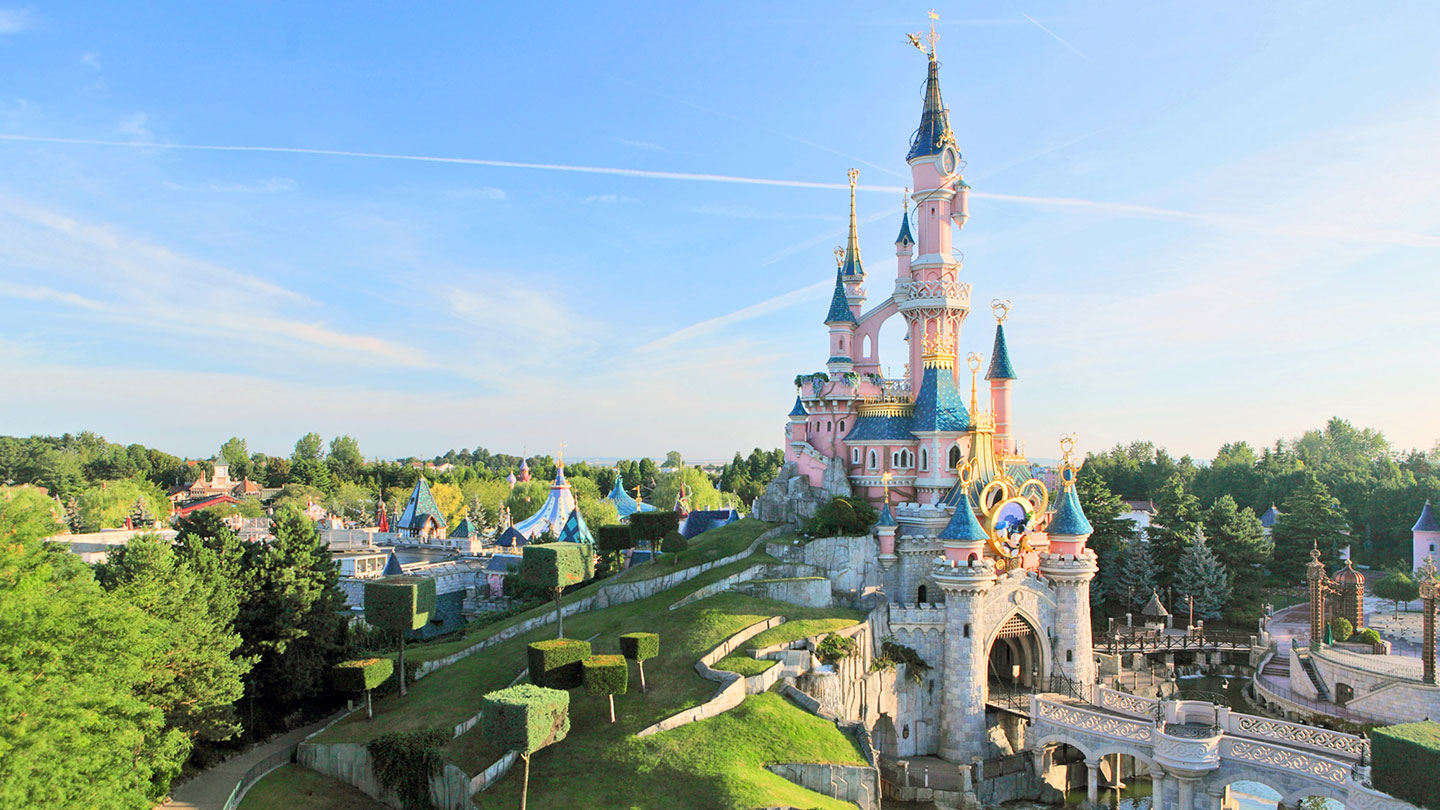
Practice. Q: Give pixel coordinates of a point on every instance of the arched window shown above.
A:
(954, 457)
(873, 460)
(865, 347)
(842, 425)
(921, 596)
(924, 459)
(829, 425)
(854, 455)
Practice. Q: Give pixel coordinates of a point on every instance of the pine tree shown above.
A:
(1309, 517)
(1238, 540)
(1137, 574)
(1177, 516)
(1104, 509)
(1201, 575)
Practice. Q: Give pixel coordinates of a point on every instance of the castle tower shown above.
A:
(904, 243)
(934, 301)
(964, 576)
(841, 321)
(1071, 566)
(939, 419)
(1000, 376)
(852, 270)
(1426, 536)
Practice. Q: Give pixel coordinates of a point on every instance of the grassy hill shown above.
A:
(712, 763)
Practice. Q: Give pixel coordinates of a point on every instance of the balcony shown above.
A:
(932, 294)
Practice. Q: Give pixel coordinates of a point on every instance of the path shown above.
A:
(209, 789)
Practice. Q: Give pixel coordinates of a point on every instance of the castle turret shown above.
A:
(885, 529)
(904, 243)
(1426, 536)
(842, 328)
(1000, 376)
(939, 419)
(852, 269)
(1071, 566)
(799, 418)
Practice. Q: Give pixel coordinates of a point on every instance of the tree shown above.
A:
(1201, 576)
(106, 505)
(842, 517)
(614, 540)
(345, 458)
(649, 527)
(673, 544)
(1341, 629)
(640, 647)
(195, 675)
(312, 473)
(363, 675)
(1397, 586)
(290, 618)
(1309, 518)
(309, 447)
(524, 719)
(237, 455)
(554, 567)
(399, 605)
(1137, 577)
(1238, 539)
(598, 512)
(1177, 516)
(1104, 509)
(606, 675)
(673, 460)
(277, 471)
(78, 731)
(351, 501)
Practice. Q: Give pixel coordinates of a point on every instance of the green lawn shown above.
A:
(804, 628)
(711, 545)
(743, 665)
(295, 787)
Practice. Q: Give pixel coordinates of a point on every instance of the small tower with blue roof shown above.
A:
(1426, 536)
(1001, 375)
(1069, 564)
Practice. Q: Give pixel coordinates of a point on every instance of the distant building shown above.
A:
(219, 483)
(625, 505)
(1267, 520)
(366, 563)
(703, 520)
(552, 514)
(422, 518)
(1140, 512)
(1425, 534)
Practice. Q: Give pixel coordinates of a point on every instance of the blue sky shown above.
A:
(1215, 222)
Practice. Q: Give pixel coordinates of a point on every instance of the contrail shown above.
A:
(1037, 23)
(1313, 230)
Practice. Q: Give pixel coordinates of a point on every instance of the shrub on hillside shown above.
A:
(556, 664)
(640, 647)
(1341, 628)
(651, 526)
(524, 719)
(1405, 762)
(607, 675)
(842, 517)
(405, 761)
(834, 647)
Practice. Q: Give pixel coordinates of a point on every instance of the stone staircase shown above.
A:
(1309, 666)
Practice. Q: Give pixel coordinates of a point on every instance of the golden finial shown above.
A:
(1067, 446)
(854, 175)
(937, 351)
(885, 481)
(905, 200)
(638, 499)
(1067, 465)
(974, 360)
(839, 256)
(1001, 309)
(560, 459)
(965, 471)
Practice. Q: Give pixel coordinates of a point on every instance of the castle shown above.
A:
(985, 577)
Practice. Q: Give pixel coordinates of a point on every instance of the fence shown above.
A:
(257, 772)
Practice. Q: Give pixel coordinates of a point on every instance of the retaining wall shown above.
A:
(805, 591)
(351, 763)
(732, 685)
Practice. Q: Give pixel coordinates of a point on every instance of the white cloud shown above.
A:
(646, 145)
(15, 20)
(135, 126)
(608, 199)
(91, 60)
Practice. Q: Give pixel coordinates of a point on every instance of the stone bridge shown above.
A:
(1194, 750)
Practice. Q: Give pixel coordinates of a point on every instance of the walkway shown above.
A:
(211, 788)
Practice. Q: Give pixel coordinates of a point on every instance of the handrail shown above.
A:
(258, 772)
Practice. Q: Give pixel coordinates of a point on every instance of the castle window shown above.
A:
(920, 595)
(967, 631)
(954, 457)
(854, 455)
(842, 425)
(924, 459)
(829, 425)
(1069, 656)
(873, 460)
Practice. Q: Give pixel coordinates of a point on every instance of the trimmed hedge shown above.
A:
(674, 542)
(1405, 762)
(606, 675)
(640, 646)
(653, 525)
(526, 717)
(405, 761)
(556, 565)
(399, 603)
(362, 675)
(556, 664)
(614, 538)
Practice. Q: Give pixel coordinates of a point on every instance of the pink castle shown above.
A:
(909, 432)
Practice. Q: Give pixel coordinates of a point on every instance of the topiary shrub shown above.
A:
(1341, 628)
(673, 543)
(1405, 762)
(405, 761)
(554, 567)
(556, 664)
(607, 675)
(616, 537)
(651, 526)
(640, 647)
(834, 647)
(526, 718)
(400, 604)
(362, 675)
(1367, 635)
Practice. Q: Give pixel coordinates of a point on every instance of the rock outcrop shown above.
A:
(791, 498)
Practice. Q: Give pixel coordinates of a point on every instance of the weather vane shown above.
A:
(560, 459)
(853, 174)
(1000, 308)
(931, 38)
(839, 256)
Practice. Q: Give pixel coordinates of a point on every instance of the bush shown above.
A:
(556, 565)
(640, 646)
(842, 517)
(362, 675)
(606, 675)
(1405, 762)
(1368, 635)
(526, 717)
(1341, 628)
(834, 647)
(399, 603)
(405, 761)
(892, 654)
(614, 538)
(652, 526)
(556, 664)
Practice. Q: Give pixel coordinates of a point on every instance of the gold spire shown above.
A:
(932, 38)
(885, 481)
(852, 263)
(974, 360)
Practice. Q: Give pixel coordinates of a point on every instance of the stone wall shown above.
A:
(791, 499)
(732, 685)
(351, 763)
(848, 783)
(806, 591)
(849, 562)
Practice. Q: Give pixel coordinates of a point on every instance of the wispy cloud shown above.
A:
(26, 292)
(15, 20)
(646, 145)
(608, 199)
(808, 293)
(136, 126)
(1054, 35)
(91, 60)
(267, 185)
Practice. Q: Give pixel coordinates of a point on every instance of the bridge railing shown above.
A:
(1283, 757)
(1126, 703)
(1150, 641)
(1297, 735)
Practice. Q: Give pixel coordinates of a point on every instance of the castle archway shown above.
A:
(1014, 659)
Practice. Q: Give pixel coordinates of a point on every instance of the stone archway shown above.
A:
(1014, 660)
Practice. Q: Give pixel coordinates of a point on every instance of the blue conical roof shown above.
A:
(905, 238)
(1427, 521)
(464, 528)
(575, 530)
(799, 409)
(963, 525)
(886, 520)
(420, 509)
(839, 307)
(1069, 517)
(934, 132)
(1000, 368)
(939, 406)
